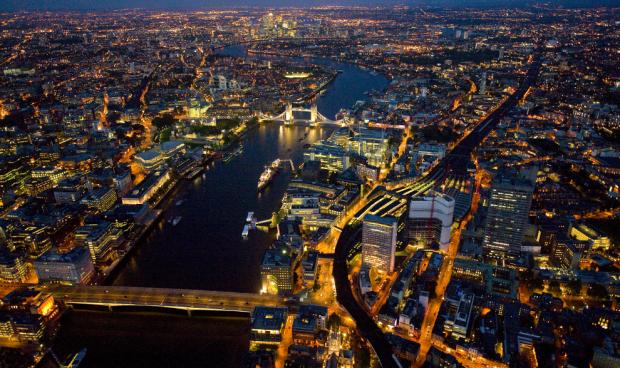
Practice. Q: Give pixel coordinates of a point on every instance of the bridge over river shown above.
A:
(176, 299)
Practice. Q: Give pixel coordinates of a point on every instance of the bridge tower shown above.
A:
(314, 113)
(288, 114)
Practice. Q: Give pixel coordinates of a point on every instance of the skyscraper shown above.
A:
(379, 242)
(509, 206)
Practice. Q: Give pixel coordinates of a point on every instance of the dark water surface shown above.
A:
(205, 250)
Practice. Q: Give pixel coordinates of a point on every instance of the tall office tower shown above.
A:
(430, 220)
(509, 206)
(379, 242)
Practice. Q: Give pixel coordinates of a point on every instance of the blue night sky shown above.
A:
(16, 5)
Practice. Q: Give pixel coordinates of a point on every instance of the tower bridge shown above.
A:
(176, 299)
(316, 118)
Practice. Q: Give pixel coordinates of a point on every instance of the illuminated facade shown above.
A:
(12, 268)
(331, 156)
(276, 273)
(267, 327)
(507, 218)
(379, 242)
(430, 219)
(75, 267)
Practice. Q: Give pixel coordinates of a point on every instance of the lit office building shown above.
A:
(99, 239)
(430, 220)
(101, 199)
(371, 144)
(70, 190)
(12, 268)
(148, 187)
(332, 156)
(74, 267)
(379, 242)
(507, 217)
(459, 322)
(585, 233)
(276, 273)
(267, 327)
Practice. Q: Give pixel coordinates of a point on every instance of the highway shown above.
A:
(453, 167)
(163, 298)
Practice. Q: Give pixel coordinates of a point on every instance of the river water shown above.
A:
(205, 249)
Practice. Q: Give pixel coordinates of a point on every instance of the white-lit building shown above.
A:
(379, 242)
(430, 219)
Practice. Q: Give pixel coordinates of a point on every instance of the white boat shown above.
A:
(250, 221)
(246, 231)
(268, 174)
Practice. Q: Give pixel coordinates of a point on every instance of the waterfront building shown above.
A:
(99, 238)
(74, 267)
(430, 220)
(24, 313)
(331, 156)
(154, 158)
(268, 324)
(22, 327)
(379, 242)
(276, 272)
(144, 191)
(150, 160)
(507, 217)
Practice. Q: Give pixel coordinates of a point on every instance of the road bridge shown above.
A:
(179, 299)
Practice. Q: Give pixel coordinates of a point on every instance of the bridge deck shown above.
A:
(164, 298)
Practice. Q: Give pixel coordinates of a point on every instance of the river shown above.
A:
(205, 249)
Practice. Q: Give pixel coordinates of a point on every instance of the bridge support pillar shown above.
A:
(110, 308)
(189, 312)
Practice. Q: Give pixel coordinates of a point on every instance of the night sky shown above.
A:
(16, 5)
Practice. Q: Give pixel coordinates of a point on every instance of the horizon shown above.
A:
(187, 5)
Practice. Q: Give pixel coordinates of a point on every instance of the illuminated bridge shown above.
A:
(289, 117)
(121, 297)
